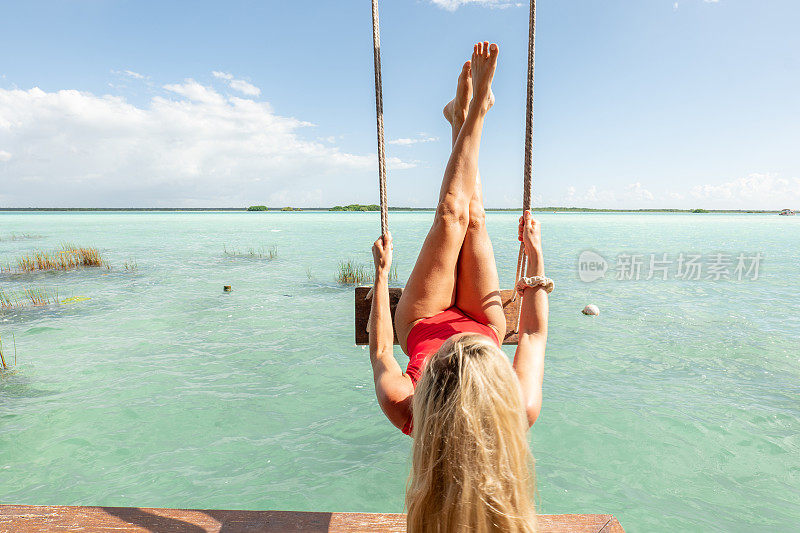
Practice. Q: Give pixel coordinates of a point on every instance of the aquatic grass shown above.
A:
(69, 257)
(6, 301)
(41, 297)
(33, 296)
(21, 237)
(352, 272)
(131, 265)
(252, 253)
(2, 355)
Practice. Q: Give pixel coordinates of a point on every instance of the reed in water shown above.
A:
(353, 273)
(69, 257)
(252, 253)
(3, 365)
(33, 296)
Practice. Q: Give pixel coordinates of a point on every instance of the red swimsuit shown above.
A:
(429, 334)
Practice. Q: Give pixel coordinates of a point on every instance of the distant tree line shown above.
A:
(356, 207)
(265, 208)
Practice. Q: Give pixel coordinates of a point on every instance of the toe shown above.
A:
(494, 50)
(485, 49)
(479, 49)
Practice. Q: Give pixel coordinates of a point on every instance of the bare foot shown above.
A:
(484, 63)
(456, 109)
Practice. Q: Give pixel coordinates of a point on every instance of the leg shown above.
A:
(477, 286)
(431, 288)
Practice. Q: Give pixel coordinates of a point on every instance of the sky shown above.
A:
(638, 103)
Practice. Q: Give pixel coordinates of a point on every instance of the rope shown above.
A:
(376, 48)
(527, 191)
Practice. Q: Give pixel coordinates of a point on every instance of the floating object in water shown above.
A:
(787, 213)
(226, 288)
(74, 300)
(591, 310)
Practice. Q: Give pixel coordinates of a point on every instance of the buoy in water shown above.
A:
(226, 288)
(591, 310)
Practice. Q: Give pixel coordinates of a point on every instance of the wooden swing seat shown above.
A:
(363, 306)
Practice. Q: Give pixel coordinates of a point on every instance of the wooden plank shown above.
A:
(613, 526)
(35, 519)
(576, 523)
(363, 306)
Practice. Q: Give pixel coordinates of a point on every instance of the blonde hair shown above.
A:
(472, 469)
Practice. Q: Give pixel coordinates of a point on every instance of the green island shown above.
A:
(265, 208)
(356, 207)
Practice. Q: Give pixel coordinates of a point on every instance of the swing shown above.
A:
(511, 300)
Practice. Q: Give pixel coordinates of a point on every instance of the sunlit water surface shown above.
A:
(676, 409)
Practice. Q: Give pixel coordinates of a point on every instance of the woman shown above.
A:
(471, 408)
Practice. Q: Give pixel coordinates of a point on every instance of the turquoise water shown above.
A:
(676, 409)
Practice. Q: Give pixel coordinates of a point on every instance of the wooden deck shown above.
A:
(40, 518)
(363, 306)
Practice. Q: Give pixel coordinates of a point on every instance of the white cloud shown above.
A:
(196, 92)
(5, 156)
(676, 4)
(631, 196)
(590, 196)
(134, 75)
(245, 88)
(756, 191)
(452, 5)
(635, 191)
(420, 138)
(130, 74)
(237, 85)
(289, 197)
(189, 147)
(395, 163)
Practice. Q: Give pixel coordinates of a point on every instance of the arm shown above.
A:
(529, 357)
(393, 388)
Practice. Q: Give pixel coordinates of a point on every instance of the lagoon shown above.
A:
(676, 409)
